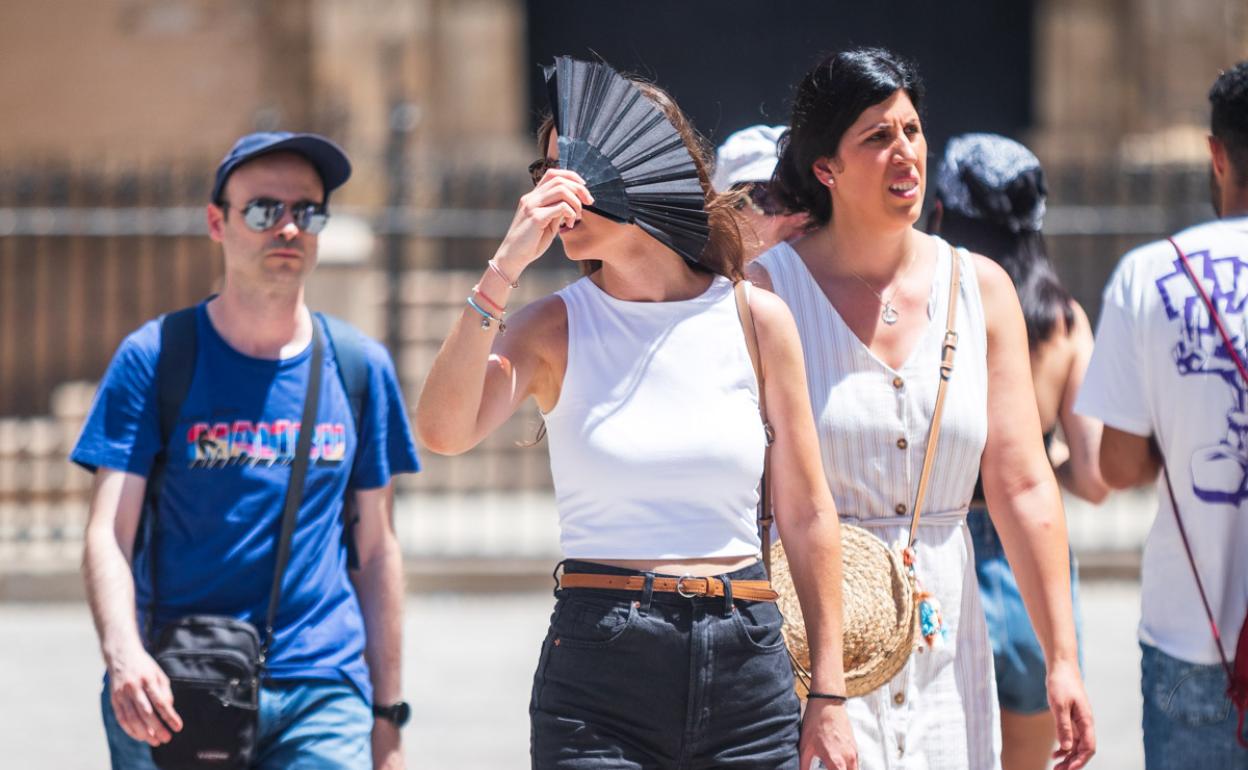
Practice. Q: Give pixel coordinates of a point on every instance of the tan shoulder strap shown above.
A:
(765, 517)
(948, 348)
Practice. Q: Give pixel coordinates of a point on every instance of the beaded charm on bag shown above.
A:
(931, 621)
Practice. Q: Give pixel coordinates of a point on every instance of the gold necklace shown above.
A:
(888, 313)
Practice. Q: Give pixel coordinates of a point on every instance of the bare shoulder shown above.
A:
(996, 292)
(756, 274)
(1080, 339)
(772, 318)
(994, 283)
(1081, 329)
(539, 327)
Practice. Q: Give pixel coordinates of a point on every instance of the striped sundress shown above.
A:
(940, 711)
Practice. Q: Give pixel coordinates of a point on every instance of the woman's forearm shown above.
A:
(1032, 527)
(449, 407)
(813, 548)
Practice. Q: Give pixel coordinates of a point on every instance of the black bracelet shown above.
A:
(827, 696)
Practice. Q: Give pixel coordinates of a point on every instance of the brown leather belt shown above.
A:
(686, 586)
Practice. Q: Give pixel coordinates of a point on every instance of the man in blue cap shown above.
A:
(188, 499)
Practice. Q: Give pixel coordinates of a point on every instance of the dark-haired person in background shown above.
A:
(746, 161)
(870, 296)
(656, 447)
(990, 199)
(1167, 391)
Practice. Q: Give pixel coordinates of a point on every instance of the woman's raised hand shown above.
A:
(555, 201)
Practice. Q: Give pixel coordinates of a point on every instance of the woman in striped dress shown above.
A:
(869, 293)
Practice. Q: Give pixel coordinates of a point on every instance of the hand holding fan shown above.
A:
(630, 155)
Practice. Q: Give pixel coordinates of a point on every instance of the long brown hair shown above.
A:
(724, 253)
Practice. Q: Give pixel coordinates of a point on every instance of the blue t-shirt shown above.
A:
(225, 485)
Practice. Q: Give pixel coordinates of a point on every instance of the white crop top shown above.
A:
(656, 445)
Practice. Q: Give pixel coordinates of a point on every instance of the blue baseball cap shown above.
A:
(326, 157)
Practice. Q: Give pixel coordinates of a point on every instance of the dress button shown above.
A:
(901, 509)
(902, 443)
(899, 698)
(898, 382)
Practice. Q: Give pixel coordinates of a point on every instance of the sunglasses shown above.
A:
(263, 214)
(539, 167)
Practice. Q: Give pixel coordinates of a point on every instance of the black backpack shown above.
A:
(175, 369)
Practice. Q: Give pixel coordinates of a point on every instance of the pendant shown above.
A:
(889, 314)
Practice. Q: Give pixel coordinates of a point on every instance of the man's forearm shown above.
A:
(110, 592)
(379, 584)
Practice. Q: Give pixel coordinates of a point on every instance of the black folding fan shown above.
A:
(631, 157)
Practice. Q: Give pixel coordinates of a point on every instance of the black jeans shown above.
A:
(630, 680)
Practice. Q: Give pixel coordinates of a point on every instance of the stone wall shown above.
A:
(1128, 79)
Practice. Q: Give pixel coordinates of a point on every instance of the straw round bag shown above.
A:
(877, 600)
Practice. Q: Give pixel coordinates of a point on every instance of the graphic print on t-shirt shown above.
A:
(1220, 470)
(244, 442)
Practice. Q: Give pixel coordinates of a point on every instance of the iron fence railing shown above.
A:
(83, 261)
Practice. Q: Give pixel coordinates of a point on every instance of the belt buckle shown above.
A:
(680, 587)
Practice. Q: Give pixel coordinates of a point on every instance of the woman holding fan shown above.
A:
(664, 648)
(871, 295)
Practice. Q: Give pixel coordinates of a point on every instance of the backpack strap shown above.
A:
(175, 368)
(347, 344)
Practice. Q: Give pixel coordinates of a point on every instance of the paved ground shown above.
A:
(468, 661)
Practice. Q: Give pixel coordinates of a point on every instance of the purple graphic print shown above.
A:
(1219, 471)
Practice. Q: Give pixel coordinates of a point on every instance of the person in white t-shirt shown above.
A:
(1168, 392)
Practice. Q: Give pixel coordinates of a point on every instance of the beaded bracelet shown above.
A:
(486, 317)
(500, 309)
(827, 696)
(494, 266)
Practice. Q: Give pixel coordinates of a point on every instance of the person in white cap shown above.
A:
(745, 161)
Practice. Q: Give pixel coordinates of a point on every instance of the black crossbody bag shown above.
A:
(215, 663)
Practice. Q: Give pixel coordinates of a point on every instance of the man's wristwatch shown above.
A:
(398, 713)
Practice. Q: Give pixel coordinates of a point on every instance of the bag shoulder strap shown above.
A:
(1237, 674)
(294, 487)
(765, 516)
(948, 348)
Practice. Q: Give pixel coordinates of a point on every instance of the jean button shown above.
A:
(899, 698)
(900, 509)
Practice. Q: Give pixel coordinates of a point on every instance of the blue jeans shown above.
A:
(309, 725)
(1188, 720)
(1016, 652)
(631, 680)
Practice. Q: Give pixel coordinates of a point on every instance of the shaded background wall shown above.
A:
(731, 65)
